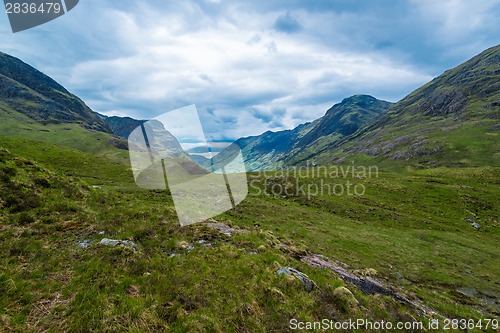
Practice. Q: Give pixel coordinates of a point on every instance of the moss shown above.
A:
(345, 299)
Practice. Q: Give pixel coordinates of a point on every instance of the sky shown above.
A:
(251, 66)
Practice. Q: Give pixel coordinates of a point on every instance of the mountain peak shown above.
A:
(359, 98)
(272, 149)
(347, 116)
(361, 101)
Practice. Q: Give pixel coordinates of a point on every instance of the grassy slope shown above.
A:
(17, 125)
(409, 226)
(38, 96)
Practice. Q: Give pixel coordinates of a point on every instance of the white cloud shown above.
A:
(458, 19)
(217, 67)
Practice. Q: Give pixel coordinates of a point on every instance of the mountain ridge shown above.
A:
(274, 149)
(34, 106)
(428, 127)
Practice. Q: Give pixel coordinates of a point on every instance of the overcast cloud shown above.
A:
(251, 66)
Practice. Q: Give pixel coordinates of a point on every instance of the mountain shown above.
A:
(451, 121)
(346, 117)
(37, 96)
(269, 149)
(161, 143)
(273, 149)
(156, 153)
(122, 126)
(34, 106)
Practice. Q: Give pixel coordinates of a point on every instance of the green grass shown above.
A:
(409, 226)
(17, 125)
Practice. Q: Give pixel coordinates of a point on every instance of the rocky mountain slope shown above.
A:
(32, 93)
(34, 106)
(452, 120)
(122, 126)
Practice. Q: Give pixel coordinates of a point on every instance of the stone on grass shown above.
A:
(476, 225)
(306, 281)
(84, 243)
(114, 242)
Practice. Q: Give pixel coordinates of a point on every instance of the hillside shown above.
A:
(451, 121)
(32, 105)
(122, 126)
(273, 149)
(37, 96)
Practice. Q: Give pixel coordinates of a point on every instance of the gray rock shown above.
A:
(114, 242)
(84, 243)
(476, 226)
(306, 281)
(128, 244)
(109, 242)
(226, 230)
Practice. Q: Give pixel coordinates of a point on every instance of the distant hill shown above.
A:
(273, 149)
(451, 121)
(122, 126)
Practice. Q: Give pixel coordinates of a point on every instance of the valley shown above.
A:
(425, 227)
